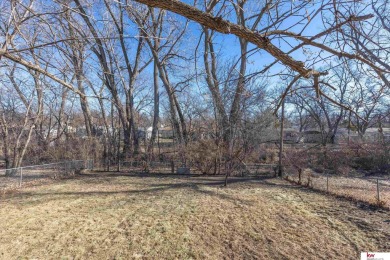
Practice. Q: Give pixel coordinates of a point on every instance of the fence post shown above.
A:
(377, 190)
(173, 167)
(327, 182)
(21, 177)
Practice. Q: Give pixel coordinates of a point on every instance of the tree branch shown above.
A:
(223, 26)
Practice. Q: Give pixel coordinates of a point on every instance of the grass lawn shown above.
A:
(111, 216)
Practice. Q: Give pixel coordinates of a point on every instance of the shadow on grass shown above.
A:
(187, 183)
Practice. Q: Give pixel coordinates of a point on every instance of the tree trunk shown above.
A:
(156, 110)
(281, 143)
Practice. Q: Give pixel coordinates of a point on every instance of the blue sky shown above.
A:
(228, 45)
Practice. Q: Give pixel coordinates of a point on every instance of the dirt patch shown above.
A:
(133, 216)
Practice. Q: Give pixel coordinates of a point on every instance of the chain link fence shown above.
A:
(374, 190)
(150, 167)
(17, 177)
(255, 169)
(178, 167)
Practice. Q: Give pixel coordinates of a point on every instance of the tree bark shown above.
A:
(225, 27)
(156, 111)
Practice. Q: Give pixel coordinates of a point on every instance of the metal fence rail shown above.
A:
(256, 169)
(151, 167)
(170, 167)
(15, 177)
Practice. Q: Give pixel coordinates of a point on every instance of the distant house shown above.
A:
(148, 132)
(374, 134)
(371, 134)
(50, 132)
(163, 132)
(312, 136)
(70, 129)
(141, 134)
(386, 134)
(344, 135)
(98, 130)
(291, 135)
(202, 134)
(81, 131)
(166, 132)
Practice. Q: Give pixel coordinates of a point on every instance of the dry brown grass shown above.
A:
(361, 189)
(160, 217)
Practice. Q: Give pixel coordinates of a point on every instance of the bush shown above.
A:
(203, 155)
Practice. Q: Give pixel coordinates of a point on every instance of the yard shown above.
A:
(122, 216)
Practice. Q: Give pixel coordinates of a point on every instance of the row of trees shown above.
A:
(221, 67)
